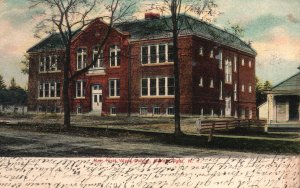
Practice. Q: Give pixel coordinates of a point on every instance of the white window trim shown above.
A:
(116, 49)
(201, 51)
(157, 87)
(243, 88)
(228, 71)
(211, 85)
(250, 88)
(111, 111)
(167, 110)
(201, 82)
(82, 93)
(49, 90)
(99, 61)
(143, 108)
(114, 95)
(221, 90)
(235, 63)
(82, 53)
(243, 62)
(235, 92)
(220, 59)
(153, 110)
(211, 55)
(42, 62)
(157, 54)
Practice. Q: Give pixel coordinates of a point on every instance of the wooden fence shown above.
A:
(210, 126)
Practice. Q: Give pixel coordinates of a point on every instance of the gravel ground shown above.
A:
(24, 143)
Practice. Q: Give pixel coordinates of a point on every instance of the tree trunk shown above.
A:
(66, 98)
(176, 80)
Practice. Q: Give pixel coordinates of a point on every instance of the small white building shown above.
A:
(283, 104)
(263, 111)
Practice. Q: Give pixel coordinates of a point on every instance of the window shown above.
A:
(170, 111)
(211, 83)
(49, 63)
(221, 90)
(81, 58)
(235, 63)
(114, 88)
(115, 54)
(80, 89)
(220, 59)
(79, 109)
(99, 63)
(201, 82)
(201, 50)
(228, 71)
(243, 62)
(156, 110)
(250, 64)
(250, 114)
(235, 92)
(243, 113)
(159, 86)
(143, 111)
(250, 88)
(49, 90)
(113, 111)
(160, 53)
(243, 88)
(211, 54)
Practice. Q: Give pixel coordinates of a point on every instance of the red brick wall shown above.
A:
(206, 67)
(165, 70)
(35, 77)
(89, 39)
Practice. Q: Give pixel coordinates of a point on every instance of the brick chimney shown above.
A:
(152, 16)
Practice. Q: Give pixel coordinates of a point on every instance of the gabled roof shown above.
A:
(159, 28)
(290, 84)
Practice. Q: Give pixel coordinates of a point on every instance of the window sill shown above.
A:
(48, 98)
(157, 97)
(157, 64)
(112, 97)
(114, 67)
(79, 98)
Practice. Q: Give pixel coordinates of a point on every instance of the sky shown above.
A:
(272, 26)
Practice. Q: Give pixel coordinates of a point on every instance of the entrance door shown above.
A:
(227, 106)
(97, 99)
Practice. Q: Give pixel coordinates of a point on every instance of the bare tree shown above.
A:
(204, 10)
(68, 17)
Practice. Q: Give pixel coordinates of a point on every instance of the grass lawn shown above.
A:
(161, 130)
